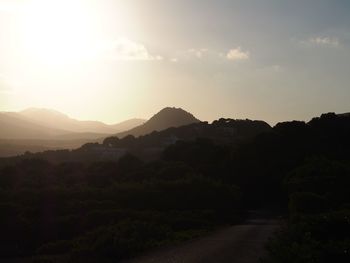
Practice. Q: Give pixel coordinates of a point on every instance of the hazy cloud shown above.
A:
(276, 68)
(321, 41)
(237, 54)
(271, 69)
(198, 53)
(213, 55)
(126, 49)
(325, 41)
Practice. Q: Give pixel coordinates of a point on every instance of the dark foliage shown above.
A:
(84, 206)
(103, 210)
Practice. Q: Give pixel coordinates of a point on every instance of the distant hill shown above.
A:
(15, 126)
(18, 135)
(166, 118)
(128, 124)
(35, 123)
(37, 129)
(55, 119)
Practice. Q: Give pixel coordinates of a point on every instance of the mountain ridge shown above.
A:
(41, 123)
(166, 118)
(54, 130)
(52, 118)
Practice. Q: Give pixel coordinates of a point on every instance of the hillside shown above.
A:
(55, 119)
(15, 126)
(35, 123)
(166, 118)
(42, 129)
(128, 124)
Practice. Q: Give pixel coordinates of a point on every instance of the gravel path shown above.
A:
(236, 244)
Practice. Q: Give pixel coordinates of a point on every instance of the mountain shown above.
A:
(128, 124)
(37, 129)
(15, 126)
(55, 119)
(166, 118)
(35, 123)
(41, 129)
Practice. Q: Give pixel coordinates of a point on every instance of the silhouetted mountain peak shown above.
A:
(173, 115)
(165, 118)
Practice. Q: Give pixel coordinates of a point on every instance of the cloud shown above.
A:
(233, 54)
(126, 49)
(276, 68)
(325, 41)
(321, 41)
(271, 69)
(198, 53)
(237, 54)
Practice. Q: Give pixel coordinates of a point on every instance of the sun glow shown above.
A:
(59, 32)
(63, 53)
(69, 31)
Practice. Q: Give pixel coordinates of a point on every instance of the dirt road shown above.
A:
(236, 244)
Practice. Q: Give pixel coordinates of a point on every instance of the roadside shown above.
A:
(241, 243)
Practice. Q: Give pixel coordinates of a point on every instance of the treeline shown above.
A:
(150, 146)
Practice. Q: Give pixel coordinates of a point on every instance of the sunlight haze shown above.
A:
(113, 60)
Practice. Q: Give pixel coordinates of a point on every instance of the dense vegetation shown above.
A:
(106, 210)
(318, 229)
(115, 209)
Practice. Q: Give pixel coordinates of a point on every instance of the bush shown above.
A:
(121, 240)
(308, 203)
(55, 248)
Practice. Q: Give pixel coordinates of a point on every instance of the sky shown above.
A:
(111, 60)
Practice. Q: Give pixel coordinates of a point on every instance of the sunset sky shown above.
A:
(111, 60)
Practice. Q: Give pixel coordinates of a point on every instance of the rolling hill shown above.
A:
(42, 129)
(45, 124)
(55, 119)
(15, 126)
(128, 124)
